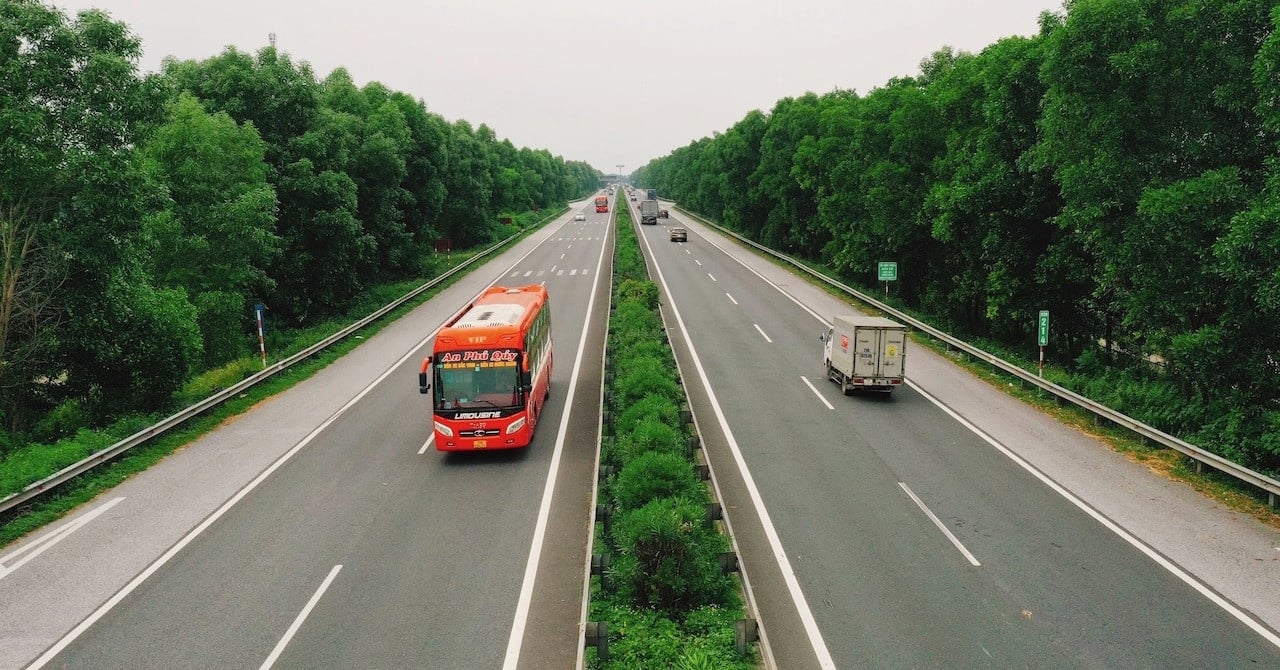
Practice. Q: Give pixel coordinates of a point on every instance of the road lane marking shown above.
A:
(527, 273)
(688, 252)
(573, 272)
(1177, 571)
(697, 261)
(731, 299)
(713, 277)
(815, 392)
(208, 521)
(297, 623)
(816, 641)
(516, 639)
(40, 546)
(426, 444)
(945, 531)
(553, 267)
(762, 334)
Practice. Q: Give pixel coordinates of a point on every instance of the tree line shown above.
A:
(141, 217)
(1118, 169)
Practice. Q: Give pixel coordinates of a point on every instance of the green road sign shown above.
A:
(889, 271)
(1044, 327)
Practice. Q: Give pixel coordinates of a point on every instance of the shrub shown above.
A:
(653, 406)
(644, 376)
(654, 475)
(63, 421)
(668, 558)
(649, 435)
(643, 291)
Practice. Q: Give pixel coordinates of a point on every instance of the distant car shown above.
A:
(579, 217)
(679, 235)
(662, 214)
(633, 198)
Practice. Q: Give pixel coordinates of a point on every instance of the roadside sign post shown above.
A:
(887, 272)
(260, 311)
(1044, 337)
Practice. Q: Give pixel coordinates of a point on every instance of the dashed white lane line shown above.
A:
(713, 277)
(297, 622)
(815, 392)
(762, 333)
(427, 444)
(945, 531)
(731, 299)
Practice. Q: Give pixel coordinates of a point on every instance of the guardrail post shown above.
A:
(604, 514)
(714, 513)
(746, 632)
(703, 471)
(728, 562)
(596, 634)
(600, 566)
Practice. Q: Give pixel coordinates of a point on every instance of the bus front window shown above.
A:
(477, 384)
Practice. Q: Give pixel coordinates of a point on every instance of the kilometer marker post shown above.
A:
(260, 309)
(1043, 330)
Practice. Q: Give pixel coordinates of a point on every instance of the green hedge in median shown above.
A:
(665, 598)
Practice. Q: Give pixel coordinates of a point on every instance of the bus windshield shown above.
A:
(477, 379)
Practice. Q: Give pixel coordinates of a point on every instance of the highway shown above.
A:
(912, 542)
(947, 526)
(356, 544)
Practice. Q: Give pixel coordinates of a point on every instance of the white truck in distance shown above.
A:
(865, 352)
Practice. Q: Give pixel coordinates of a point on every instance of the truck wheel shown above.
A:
(844, 386)
(831, 372)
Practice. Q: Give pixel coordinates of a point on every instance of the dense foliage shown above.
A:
(1119, 169)
(141, 218)
(665, 598)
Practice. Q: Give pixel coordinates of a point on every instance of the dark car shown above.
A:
(662, 214)
(679, 235)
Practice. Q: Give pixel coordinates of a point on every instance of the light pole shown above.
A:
(620, 174)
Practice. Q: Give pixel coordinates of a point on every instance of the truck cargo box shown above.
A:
(865, 352)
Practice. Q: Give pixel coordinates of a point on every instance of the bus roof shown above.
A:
(497, 312)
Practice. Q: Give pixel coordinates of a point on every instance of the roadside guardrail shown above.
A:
(108, 454)
(1197, 454)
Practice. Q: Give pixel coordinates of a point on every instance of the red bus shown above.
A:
(602, 203)
(489, 372)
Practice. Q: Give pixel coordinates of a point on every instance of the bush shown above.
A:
(654, 475)
(644, 376)
(653, 406)
(220, 315)
(644, 292)
(649, 435)
(669, 557)
(63, 421)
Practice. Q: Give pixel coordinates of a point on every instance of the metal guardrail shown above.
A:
(1199, 455)
(106, 455)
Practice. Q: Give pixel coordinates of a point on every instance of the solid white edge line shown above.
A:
(516, 639)
(788, 574)
(938, 522)
(208, 521)
(1177, 571)
(297, 622)
(762, 333)
(815, 392)
(37, 547)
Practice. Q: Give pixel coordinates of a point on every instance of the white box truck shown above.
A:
(865, 352)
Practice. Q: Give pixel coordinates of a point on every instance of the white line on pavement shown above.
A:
(731, 299)
(762, 333)
(40, 546)
(945, 531)
(815, 392)
(713, 277)
(426, 444)
(302, 616)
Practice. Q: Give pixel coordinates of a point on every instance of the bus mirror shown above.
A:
(526, 381)
(423, 384)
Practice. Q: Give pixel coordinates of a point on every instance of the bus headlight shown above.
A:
(515, 426)
(443, 429)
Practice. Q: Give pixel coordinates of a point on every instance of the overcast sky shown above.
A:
(595, 81)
